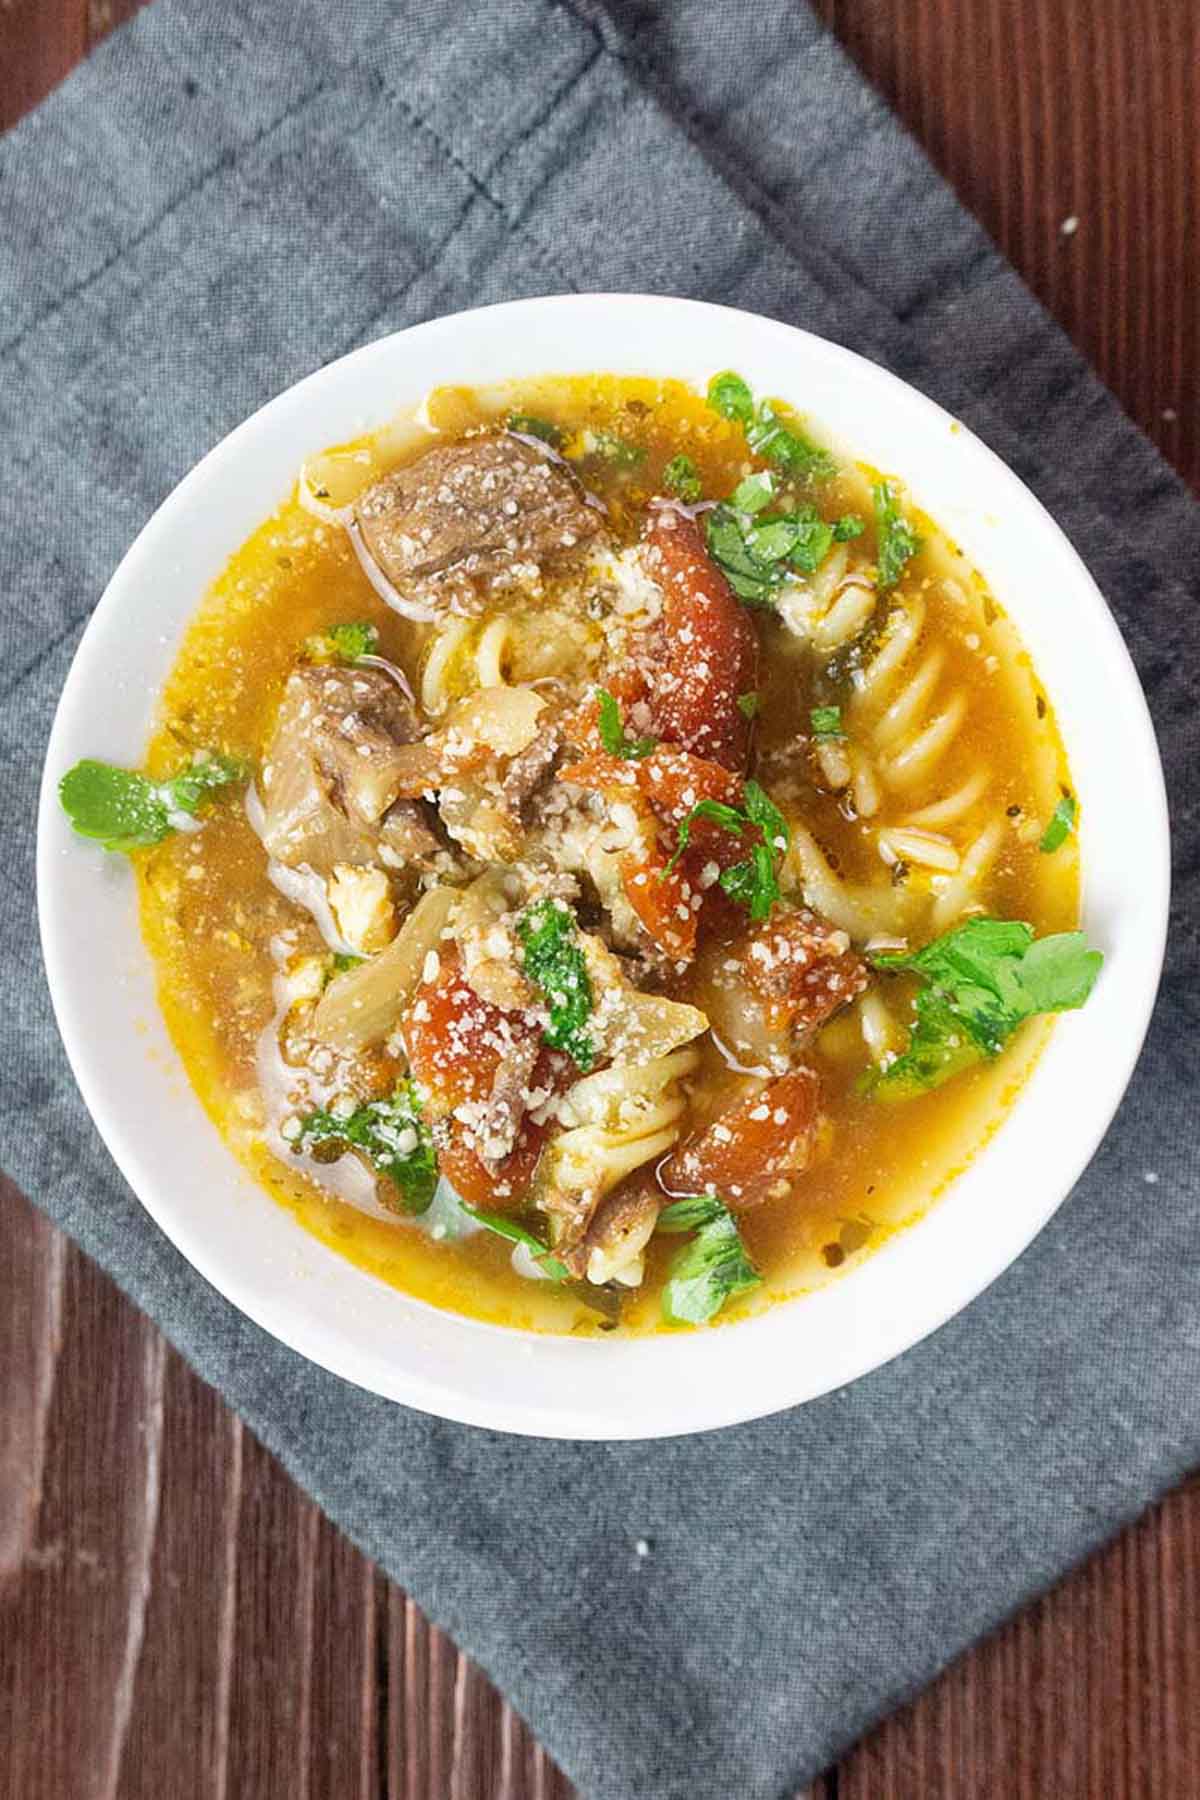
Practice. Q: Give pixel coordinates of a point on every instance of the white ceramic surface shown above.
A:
(254, 1252)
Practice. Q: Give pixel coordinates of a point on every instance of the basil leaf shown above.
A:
(531, 426)
(986, 977)
(826, 724)
(1061, 825)
(787, 448)
(554, 962)
(755, 492)
(390, 1133)
(898, 542)
(682, 478)
(713, 1269)
(774, 540)
(728, 817)
(762, 810)
(126, 811)
(729, 395)
(508, 1228)
(686, 1214)
(813, 541)
(612, 732)
(342, 643)
(753, 883)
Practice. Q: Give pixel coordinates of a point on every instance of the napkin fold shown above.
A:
(231, 194)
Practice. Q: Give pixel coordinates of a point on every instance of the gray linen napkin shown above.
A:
(229, 195)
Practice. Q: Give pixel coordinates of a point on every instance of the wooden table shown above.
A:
(177, 1620)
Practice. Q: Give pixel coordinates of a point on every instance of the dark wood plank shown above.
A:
(40, 42)
(1070, 131)
(175, 1618)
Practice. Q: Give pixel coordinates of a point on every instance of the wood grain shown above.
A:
(176, 1618)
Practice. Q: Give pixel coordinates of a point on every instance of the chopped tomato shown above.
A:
(801, 968)
(601, 773)
(455, 1042)
(762, 1140)
(674, 781)
(475, 1182)
(662, 902)
(454, 1038)
(709, 647)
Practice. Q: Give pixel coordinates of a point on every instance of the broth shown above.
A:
(224, 937)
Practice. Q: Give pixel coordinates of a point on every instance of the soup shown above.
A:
(609, 862)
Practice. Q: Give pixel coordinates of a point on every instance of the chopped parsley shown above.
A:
(982, 980)
(341, 960)
(710, 1270)
(390, 1133)
(529, 425)
(898, 542)
(753, 882)
(1061, 825)
(126, 811)
(681, 477)
(342, 643)
(847, 527)
(767, 435)
(612, 732)
(759, 550)
(826, 724)
(554, 962)
(748, 705)
(508, 1228)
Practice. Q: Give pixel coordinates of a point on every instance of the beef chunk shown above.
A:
(464, 514)
(331, 774)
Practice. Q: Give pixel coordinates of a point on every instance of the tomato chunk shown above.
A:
(802, 969)
(755, 1148)
(662, 900)
(456, 1043)
(710, 647)
(497, 1189)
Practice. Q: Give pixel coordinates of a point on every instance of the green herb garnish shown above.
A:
(752, 882)
(897, 539)
(681, 477)
(616, 450)
(710, 1270)
(1062, 823)
(553, 960)
(847, 527)
(757, 550)
(531, 426)
(729, 395)
(748, 705)
(766, 433)
(341, 960)
(342, 643)
(984, 979)
(612, 731)
(126, 811)
(391, 1134)
(508, 1228)
(826, 724)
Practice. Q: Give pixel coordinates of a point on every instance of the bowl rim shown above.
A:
(429, 1389)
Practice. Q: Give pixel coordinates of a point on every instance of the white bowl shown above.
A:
(251, 1249)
